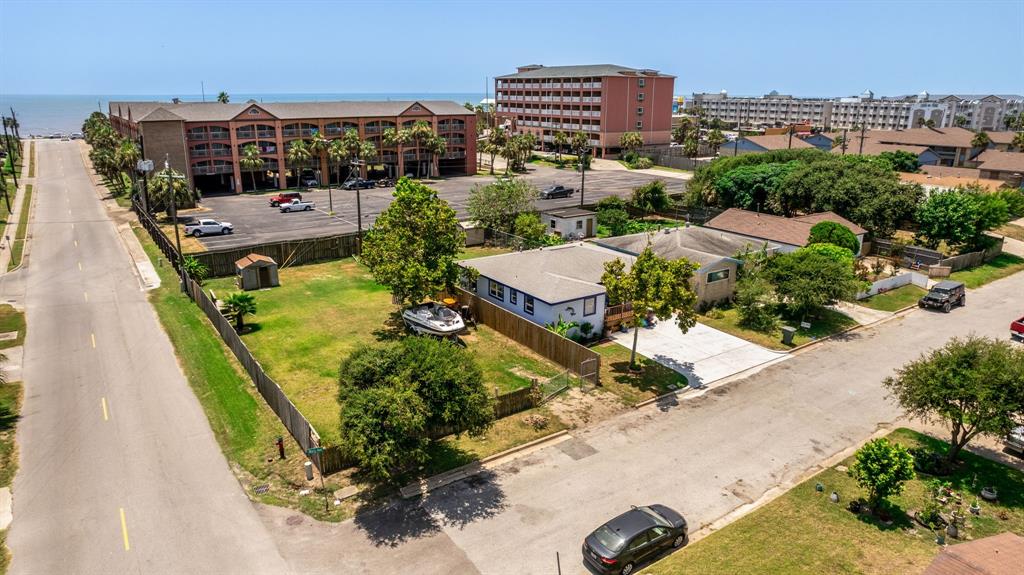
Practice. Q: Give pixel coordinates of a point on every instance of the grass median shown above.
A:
(803, 532)
(10, 410)
(828, 322)
(18, 245)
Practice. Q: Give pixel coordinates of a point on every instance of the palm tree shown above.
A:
(318, 147)
(1018, 141)
(336, 154)
(298, 154)
(435, 146)
(981, 140)
(169, 187)
(631, 141)
(223, 97)
(960, 121)
(715, 140)
(929, 123)
(397, 138)
(421, 132)
(126, 156)
(561, 140)
(239, 305)
(495, 144)
(251, 161)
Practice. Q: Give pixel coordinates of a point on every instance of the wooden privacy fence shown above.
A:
(161, 241)
(558, 349)
(285, 253)
(916, 255)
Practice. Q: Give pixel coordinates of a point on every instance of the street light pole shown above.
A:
(583, 172)
(174, 216)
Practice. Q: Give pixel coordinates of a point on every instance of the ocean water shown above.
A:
(46, 114)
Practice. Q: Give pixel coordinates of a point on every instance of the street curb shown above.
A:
(429, 484)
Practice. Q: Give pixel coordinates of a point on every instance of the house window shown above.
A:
(640, 97)
(254, 112)
(497, 290)
(641, 82)
(528, 304)
(717, 276)
(513, 295)
(639, 125)
(552, 224)
(579, 224)
(590, 305)
(640, 111)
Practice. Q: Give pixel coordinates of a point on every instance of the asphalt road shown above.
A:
(705, 456)
(256, 222)
(120, 472)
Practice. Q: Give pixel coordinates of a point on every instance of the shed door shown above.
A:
(264, 276)
(590, 227)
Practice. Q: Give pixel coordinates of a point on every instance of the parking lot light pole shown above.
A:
(583, 172)
(359, 204)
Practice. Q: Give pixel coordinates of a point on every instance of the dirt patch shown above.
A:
(526, 374)
(579, 409)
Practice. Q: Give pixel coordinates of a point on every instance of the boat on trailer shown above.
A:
(432, 318)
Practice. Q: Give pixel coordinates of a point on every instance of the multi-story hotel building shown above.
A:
(603, 101)
(977, 112)
(205, 140)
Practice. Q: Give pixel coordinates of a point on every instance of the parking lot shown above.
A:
(256, 222)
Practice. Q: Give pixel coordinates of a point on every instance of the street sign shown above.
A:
(144, 166)
(314, 450)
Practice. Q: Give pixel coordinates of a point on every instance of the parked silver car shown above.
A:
(207, 227)
(1015, 440)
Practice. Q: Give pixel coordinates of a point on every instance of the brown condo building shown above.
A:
(602, 100)
(205, 140)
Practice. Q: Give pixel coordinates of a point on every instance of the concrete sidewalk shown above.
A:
(599, 164)
(11, 228)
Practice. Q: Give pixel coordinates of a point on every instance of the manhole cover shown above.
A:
(294, 520)
(261, 489)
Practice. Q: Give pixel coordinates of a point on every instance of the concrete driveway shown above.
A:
(703, 354)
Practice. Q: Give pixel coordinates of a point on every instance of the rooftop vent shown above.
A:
(529, 67)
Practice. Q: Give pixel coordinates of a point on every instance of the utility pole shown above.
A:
(845, 142)
(863, 129)
(359, 204)
(174, 215)
(789, 146)
(14, 124)
(583, 171)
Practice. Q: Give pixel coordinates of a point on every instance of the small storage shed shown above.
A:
(256, 271)
(570, 223)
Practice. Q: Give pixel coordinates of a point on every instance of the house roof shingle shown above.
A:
(702, 246)
(873, 148)
(581, 71)
(929, 137)
(569, 212)
(951, 181)
(778, 142)
(218, 112)
(1001, 554)
(553, 275)
(791, 231)
(254, 259)
(999, 161)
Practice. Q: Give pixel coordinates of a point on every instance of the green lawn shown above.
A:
(830, 322)
(10, 408)
(12, 320)
(802, 532)
(481, 251)
(996, 268)
(654, 380)
(321, 312)
(668, 169)
(18, 245)
(245, 427)
(894, 300)
(32, 160)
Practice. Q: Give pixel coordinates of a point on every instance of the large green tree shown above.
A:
(959, 217)
(834, 233)
(750, 186)
(901, 160)
(384, 428)
(975, 385)
(652, 284)
(715, 140)
(412, 246)
(496, 205)
(882, 468)
(650, 197)
(805, 281)
(167, 187)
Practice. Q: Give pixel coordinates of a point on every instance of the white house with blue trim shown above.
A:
(543, 284)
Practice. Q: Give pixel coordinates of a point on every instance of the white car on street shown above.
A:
(207, 227)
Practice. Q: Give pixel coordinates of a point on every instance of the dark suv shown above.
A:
(944, 295)
(637, 536)
(284, 198)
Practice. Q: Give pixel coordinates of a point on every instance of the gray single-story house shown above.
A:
(713, 251)
(543, 284)
(789, 233)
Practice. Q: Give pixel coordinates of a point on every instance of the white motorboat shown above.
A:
(433, 319)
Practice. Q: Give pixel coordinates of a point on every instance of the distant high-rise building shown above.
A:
(974, 112)
(604, 101)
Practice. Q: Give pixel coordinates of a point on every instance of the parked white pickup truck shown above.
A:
(205, 227)
(297, 206)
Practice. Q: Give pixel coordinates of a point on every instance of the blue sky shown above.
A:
(803, 48)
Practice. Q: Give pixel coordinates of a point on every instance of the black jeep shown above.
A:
(945, 295)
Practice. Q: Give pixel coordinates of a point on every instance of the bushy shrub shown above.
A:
(616, 220)
(755, 305)
(642, 163)
(611, 203)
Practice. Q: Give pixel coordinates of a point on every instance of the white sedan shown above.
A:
(204, 227)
